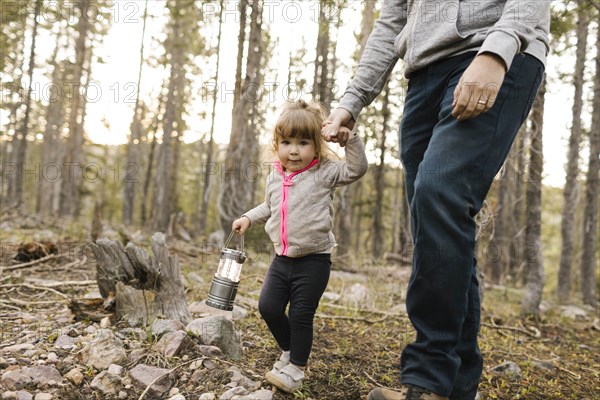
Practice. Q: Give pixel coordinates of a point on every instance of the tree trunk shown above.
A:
(533, 253)
(134, 137)
(320, 79)
(517, 243)
(589, 264)
(378, 228)
(148, 175)
(209, 151)
(570, 194)
(499, 247)
(144, 287)
(236, 190)
(48, 194)
(71, 183)
(21, 156)
(243, 4)
(344, 212)
(163, 207)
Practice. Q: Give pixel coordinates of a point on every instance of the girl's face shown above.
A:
(295, 153)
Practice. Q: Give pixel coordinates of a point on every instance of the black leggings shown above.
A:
(301, 283)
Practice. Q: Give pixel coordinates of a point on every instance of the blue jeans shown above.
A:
(449, 168)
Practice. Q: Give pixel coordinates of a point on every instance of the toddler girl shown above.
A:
(298, 211)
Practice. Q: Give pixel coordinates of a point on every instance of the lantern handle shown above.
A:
(229, 240)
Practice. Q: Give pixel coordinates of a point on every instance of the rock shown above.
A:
(136, 355)
(90, 330)
(64, 342)
(209, 364)
(544, 365)
(195, 365)
(207, 396)
(105, 323)
(9, 395)
(210, 351)
(240, 380)
(103, 350)
(52, 358)
(44, 375)
(357, 293)
(173, 392)
(236, 391)
(107, 383)
(173, 343)
(123, 395)
(75, 376)
(15, 379)
(41, 375)
(115, 369)
(3, 363)
(575, 313)
(177, 397)
(162, 326)
(44, 396)
(218, 331)
(197, 376)
(508, 369)
(18, 348)
(143, 375)
(331, 296)
(261, 394)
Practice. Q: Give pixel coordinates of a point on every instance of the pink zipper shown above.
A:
(283, 208)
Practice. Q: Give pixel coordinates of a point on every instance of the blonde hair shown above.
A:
(302, 120)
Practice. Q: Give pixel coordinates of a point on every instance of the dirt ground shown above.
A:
(357, 343)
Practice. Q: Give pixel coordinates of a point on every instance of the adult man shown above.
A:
(474, 67)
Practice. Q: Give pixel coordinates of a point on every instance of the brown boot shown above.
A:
(408, 392)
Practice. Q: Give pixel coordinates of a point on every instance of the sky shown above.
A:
(110, 99)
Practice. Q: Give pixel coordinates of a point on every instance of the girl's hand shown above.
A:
(331, 126)
(343, 135)
(240, 225)
(478, 87)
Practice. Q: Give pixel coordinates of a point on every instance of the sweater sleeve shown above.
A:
(378, 59)
(340, 173)
(519, 26)
(261, 213)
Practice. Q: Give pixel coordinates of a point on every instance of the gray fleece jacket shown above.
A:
(298, 207)
(424, 31)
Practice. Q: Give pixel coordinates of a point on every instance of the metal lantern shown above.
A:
(227, 279)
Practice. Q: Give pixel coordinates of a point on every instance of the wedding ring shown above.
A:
(482, 102)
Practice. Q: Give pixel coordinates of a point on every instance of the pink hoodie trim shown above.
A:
(283, 207)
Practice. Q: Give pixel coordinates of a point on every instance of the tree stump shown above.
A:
(144, 287)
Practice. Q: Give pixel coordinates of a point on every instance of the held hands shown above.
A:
(337, 128)
(240, 225)
(478, 87)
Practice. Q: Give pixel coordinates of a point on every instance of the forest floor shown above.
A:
(357, 343)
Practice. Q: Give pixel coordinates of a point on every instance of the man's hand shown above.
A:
(478, 87)
(240, 225)
(331, 131)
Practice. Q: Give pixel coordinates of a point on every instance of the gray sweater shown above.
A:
(298, 208)
(424, 31)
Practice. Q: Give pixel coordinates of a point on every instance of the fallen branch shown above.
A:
(30, 263)
(34, 303)
(340, 307)
(54, 284)
(536, 333)
(351, 318)
(49, 289)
